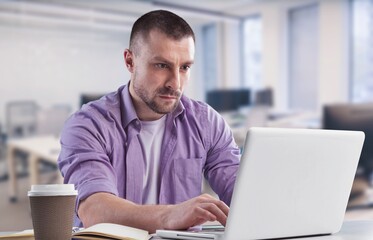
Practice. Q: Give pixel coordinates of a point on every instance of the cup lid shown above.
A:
(52, 190)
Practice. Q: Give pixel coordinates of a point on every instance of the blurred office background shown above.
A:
(271, 63)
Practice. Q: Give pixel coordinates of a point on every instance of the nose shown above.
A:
(174, 80)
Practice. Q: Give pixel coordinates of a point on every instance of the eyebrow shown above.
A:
(161, 59)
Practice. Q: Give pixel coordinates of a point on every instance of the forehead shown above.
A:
(158, 44)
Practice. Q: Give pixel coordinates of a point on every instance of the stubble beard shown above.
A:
(150, 99)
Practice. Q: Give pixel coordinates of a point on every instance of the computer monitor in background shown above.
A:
(225, 100)
(354, 117)
(88, 97)
(264, 97)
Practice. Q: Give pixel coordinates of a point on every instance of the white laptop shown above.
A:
(291, 183)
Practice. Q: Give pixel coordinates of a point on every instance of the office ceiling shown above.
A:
(115, 15)
(214, 7)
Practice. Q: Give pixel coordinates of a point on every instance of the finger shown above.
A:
(222, 206)
(206, 198)
(216, 212)
(204, 215)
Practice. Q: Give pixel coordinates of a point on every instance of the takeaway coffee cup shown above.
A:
(52, 210)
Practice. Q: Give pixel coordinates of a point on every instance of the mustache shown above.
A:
(168, 91)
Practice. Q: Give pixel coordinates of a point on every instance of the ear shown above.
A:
(128, 60)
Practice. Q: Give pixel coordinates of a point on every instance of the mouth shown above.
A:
(168, 97)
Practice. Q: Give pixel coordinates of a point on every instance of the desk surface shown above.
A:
(38, 148)
(351, 230)
(46, 147)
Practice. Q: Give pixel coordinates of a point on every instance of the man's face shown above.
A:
(159, 70)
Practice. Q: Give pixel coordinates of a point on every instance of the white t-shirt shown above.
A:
(151, 136)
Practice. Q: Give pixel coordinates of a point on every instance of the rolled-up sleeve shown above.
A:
(84, 158)
(222, 158)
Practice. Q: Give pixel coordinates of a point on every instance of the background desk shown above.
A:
(38, 148)
(351, 230)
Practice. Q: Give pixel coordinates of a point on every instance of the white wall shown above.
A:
(334, 54)
(231, 54)
(273, 61)
(195, 88)
(55, 67)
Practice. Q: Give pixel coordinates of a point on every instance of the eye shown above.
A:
(185, 68)
(161, 65)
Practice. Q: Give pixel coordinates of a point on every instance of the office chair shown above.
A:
(88, 97)
(264, 97)
(51, 121)
(3, 166)
(21, 118)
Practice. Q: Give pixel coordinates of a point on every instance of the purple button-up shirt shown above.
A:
(101, 151)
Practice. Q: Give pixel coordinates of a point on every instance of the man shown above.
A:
(137, 155)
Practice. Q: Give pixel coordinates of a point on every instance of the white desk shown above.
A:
(351, 230)
(37, 148)
(240, 122)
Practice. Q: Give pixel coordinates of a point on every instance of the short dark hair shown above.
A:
(165, 21)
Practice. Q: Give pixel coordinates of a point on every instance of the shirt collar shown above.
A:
(129, 113)
(180, 109)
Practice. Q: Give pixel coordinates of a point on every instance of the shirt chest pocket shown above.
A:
(188, 177)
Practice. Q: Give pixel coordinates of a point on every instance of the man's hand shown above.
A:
(105, 207)
(195, 212)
